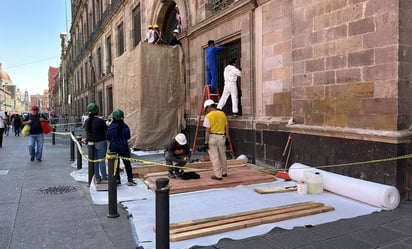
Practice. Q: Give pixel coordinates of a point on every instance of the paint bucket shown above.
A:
(314, 181)
(302, 188)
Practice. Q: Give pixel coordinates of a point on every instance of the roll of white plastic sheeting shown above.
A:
(375, 194)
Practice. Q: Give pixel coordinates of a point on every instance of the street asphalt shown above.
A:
(42, 206)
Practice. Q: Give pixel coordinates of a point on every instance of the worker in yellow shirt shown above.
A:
(216, 138)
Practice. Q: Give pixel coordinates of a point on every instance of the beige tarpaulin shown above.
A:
(149, 88)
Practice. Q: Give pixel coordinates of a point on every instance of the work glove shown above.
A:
(206, 146)
(227, 142)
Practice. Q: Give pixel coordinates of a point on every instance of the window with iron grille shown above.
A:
(136, 26)
(110, 99)
(99, 62)
(217, 5)
(120, 39)
(109, 54)
(171, 24)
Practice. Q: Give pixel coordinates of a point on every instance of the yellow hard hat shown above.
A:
(155, 26)
(150, 26)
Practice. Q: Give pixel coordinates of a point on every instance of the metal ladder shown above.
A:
(207, 94)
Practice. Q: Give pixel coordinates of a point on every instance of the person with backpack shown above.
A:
(118, 135)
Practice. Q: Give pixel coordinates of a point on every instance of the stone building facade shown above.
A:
(334, 73)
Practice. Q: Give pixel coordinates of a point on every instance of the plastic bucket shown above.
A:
(314, 181)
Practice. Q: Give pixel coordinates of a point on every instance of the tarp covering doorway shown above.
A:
(149, 88)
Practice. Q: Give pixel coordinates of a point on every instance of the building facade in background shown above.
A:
(335, 73)
(11, 98)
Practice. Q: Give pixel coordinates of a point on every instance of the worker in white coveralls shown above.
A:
(230, 74)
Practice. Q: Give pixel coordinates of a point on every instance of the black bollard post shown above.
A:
(71, 148)
(112, 159)
(79, 154)
(162, 214)
(90, 148)
(54, 135)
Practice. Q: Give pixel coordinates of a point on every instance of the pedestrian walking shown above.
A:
(216, 138)
(177, 152)
(118, 135)
(211, 63)
(96, 132)
(3, 120)
(36, 136)
(17, 124)
(230, 75)
(7, 125)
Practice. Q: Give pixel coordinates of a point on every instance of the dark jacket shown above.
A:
(35, 126)
(174, 147)
(118, 134)
(95, 129)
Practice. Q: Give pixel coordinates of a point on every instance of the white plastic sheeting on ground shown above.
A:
(124, 192)
(376, 194)
(216, 202)
(140, 203)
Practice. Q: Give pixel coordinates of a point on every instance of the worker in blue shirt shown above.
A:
(211, 67)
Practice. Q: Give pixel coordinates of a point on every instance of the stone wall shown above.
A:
(345, 64)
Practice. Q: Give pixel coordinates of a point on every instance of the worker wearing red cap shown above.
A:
(36, 137)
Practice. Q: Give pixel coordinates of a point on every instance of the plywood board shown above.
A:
(236, 176)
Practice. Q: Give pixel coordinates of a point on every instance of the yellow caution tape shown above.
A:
(145, 162)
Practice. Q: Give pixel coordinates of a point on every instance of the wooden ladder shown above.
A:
(215, 96)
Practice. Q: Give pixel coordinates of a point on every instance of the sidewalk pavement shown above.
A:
(42, 206)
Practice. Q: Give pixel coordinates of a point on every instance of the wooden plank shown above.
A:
(219, 220)
(140, 171)
(278, 189)
(247, 223)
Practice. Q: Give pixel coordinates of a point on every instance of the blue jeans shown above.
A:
(36, 145)
(100, 149)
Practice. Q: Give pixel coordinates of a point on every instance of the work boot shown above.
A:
(171, 175)
(131, 183)
(216, 178)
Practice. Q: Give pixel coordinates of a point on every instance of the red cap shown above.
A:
(34, 108)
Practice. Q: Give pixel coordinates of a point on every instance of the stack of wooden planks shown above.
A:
(219, 224)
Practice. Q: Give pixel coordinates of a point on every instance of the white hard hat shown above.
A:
(176, 31)
(181, 139)
(208, 102)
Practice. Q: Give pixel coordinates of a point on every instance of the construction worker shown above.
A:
(177, 152)
(149, 34)
(174, 41)
(118, 135)
(211, 67)
(96, 132)
(216, 138)
(230, 74)
(157, 39)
